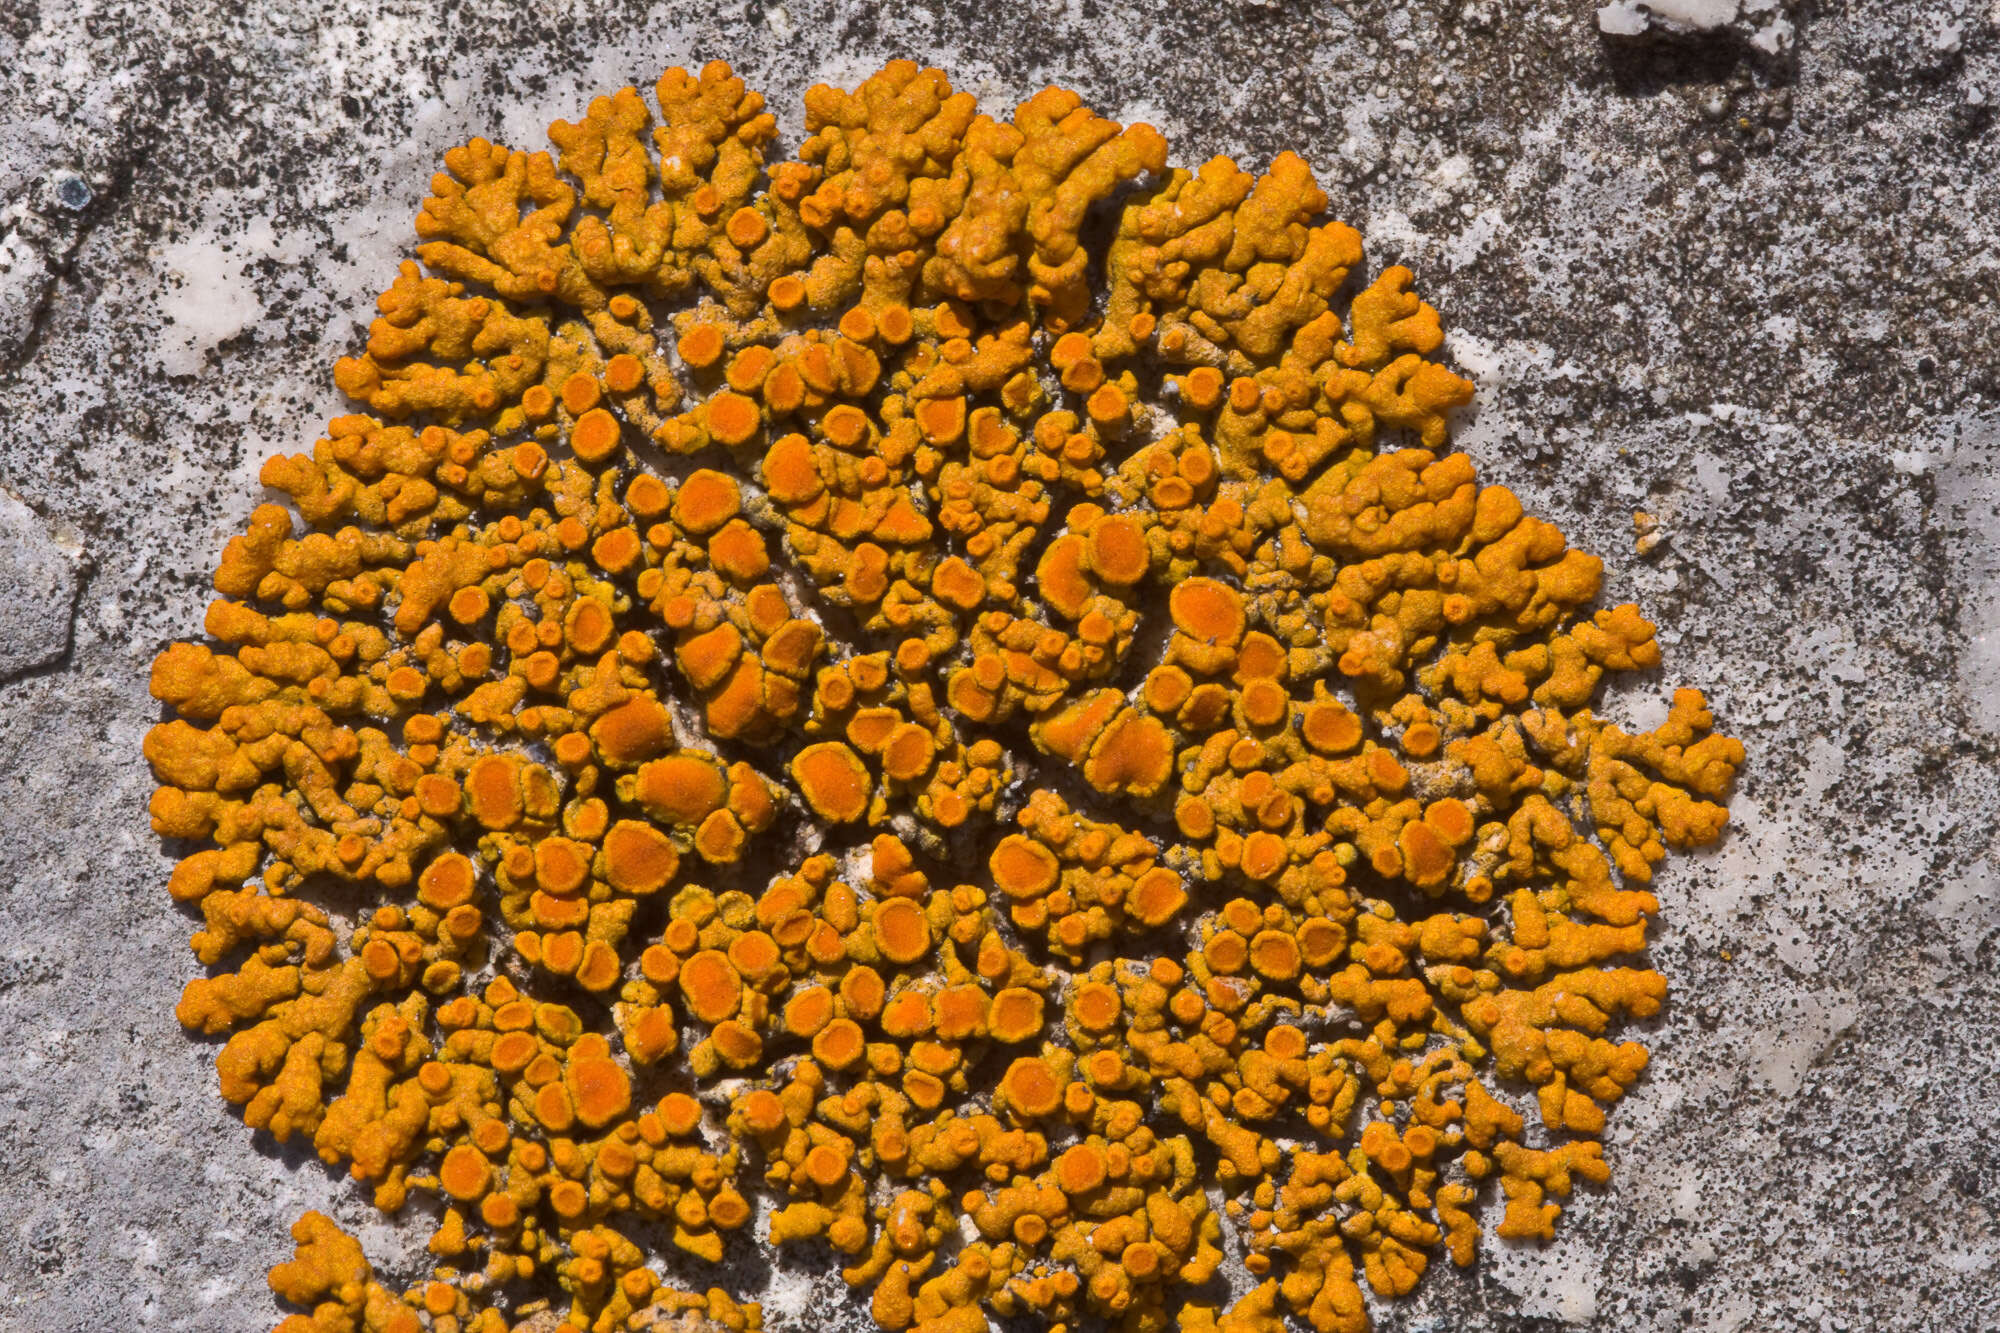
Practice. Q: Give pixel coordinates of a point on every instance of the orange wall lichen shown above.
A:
(845, 699)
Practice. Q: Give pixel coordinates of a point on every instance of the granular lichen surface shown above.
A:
(947, 699)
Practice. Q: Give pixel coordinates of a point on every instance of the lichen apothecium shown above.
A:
(945, 698)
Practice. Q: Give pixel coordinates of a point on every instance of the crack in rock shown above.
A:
(39, 231)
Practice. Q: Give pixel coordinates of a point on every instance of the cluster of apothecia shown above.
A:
(942, 699)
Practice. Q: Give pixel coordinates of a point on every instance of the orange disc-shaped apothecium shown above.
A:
(833, 780)
(706, 501)
(600, 1090)
(1016, 1015)
(1097, 1006)
(1081, 1169)
(901, 930)
(493, 793)
(808, 1011)
(1157, 897)
(1023, 868)
(1031, 1087)
(562, 866)
(596, 436)
(1118, 549)
(987, 630)
(638, 858)
(1207, 610)
(1275, 954)
(650, 1034)
(838, 1044)
(446, 882)
(681, 789)
(465, 1173)
(711, 986)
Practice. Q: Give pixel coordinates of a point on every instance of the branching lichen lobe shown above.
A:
(814, 695)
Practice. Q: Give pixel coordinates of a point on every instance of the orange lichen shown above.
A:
(833, 781)
(1066, 734)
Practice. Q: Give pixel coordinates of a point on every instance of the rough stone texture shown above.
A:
(37, 585)
(1746, 287)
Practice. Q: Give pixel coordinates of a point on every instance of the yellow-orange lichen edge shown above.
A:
(1065, 732)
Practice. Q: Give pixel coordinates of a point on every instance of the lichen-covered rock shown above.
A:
(952, 687)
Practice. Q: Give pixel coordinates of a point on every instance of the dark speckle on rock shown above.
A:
(1745, 284)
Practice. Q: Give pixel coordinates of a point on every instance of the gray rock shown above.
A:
(1747, 290)
(37, 588)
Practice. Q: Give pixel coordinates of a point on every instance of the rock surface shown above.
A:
(1746, 286)
(37, 586)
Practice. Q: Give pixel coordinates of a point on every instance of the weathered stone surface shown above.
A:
(1746, 288)
(37, 590)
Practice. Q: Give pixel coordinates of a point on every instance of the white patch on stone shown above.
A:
(1465, 248)
(1761, 22)
(1629, 18)
(206, 296)
(1825, 763)
(1555, 1280)
(1493, 364)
